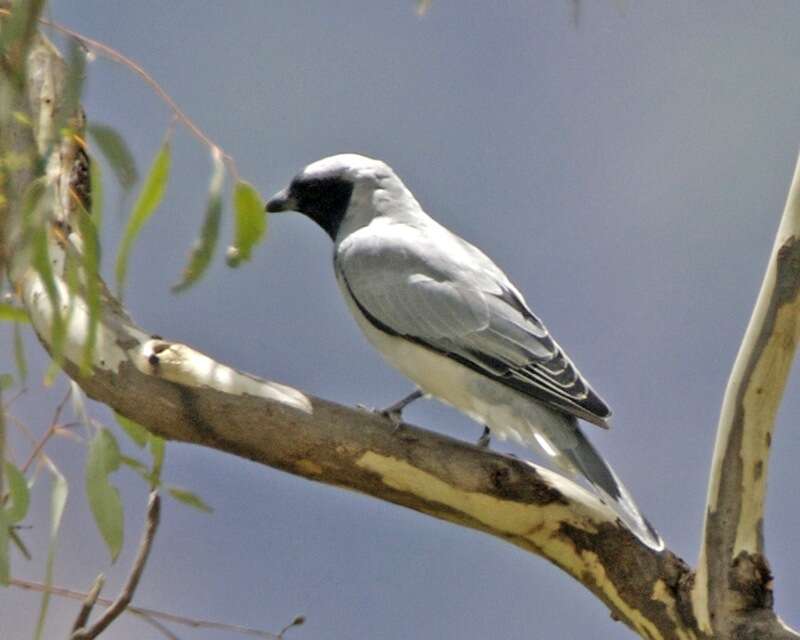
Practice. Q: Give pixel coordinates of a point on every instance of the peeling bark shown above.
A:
(733, 574)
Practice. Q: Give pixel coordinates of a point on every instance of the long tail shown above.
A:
(580, 456)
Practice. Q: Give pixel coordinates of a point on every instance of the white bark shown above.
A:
(732, 553)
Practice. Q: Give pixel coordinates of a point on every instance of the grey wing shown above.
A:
(476, 318)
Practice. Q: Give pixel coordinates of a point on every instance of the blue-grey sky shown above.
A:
(628, 173)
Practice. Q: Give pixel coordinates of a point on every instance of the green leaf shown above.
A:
(34, 204)
(157, 447)
(137, 465)
(89, 265)
(90, 262)
(5, 564)
(21, 25)
(33, 209)
(58, 500)
(73, 85)
(19, 355)
(6, 381)
(96, 180)
(104, 500)
(116, 152)
(135, 431)
(251, 222)
(41, 262)
(12, 314)
(189, 498)
(17, 494)
(204, 246)
(149, 198)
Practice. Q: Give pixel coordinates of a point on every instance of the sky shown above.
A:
(626, 169)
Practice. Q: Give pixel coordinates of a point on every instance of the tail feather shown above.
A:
(561, 439)
(581, 456)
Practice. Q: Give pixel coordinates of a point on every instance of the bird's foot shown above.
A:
(394, 412)
(485, 439)
(395, 417)
(397, 407)
(392, 415)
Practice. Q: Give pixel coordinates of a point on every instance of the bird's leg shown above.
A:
(485, 439)
(394, 412)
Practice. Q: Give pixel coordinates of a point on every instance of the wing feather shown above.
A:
(463, 306)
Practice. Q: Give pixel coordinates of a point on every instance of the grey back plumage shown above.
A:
(412, 280)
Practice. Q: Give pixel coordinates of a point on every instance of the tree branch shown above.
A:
(126, 594)
(184, 395)
(733, 575)
(88, 603)
(148, 615)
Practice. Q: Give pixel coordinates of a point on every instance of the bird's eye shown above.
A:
(304, 188)
(312, 186)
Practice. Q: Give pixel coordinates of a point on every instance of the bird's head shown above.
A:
(326, 189)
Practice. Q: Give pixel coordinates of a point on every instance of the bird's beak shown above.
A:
(281, 201)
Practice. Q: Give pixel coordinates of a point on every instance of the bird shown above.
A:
(440, 311)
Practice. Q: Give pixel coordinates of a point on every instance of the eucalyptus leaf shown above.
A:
(157, 449)
(137, 465)
(18, 495)
(5, 564)
(6, 381)
(41, 263)
(12, 314)
(104, 499)
(203, 249)
(189, 498)
(116, 152)
(135, 431)
(34, 202)
(21, 25)
(98, 196)
(149, 198)
(73, 86)
(251, 222)
(58, 500)
(90, 262)
(19, 355)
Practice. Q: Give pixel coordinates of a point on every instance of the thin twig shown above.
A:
(126, 595)
(159, 627)
(144, 612)
(15, 397)
(50, 431)
(2, 444)
(297, 622)
(26, 431)
(89, 602)
(114, 55)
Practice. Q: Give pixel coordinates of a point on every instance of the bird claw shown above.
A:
(394, 416)
(394, 412)
(485, 439)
